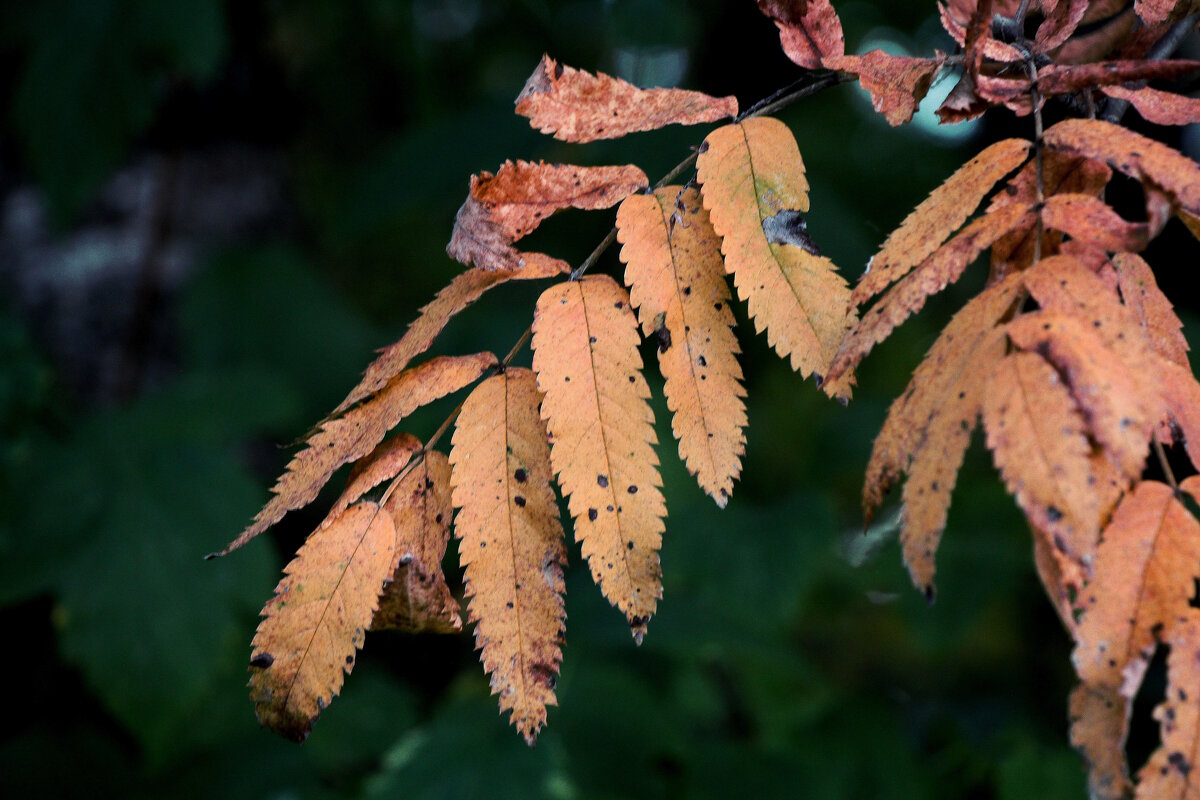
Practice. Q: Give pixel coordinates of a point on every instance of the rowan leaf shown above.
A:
(677, 284)
(355, 434)
(504, 208)
(1039, 442)
(1169, 772)
(1159, 107)
(576, 106)
(602, 435)
(809, 30)
(938, 216)
(1109, 24)
(1116, 407)
(897, 84)
(467, 287)
(314, 624)
(511, 544)
(755, 192)
(1099, 718)
(935, 273)
(384, 463)
(416, 598)
(1054, 79)
(1060, 22)
(1156, 12)
(1135, 155)
(1091, 220)
(1144, 577)
(1181, 394)
(956, 17)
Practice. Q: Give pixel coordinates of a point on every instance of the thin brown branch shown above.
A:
(1168, 473)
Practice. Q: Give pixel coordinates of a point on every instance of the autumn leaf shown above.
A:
(1106, 30)
(1156, 12)
(1099, 718)
(1181, 393)
(1154, 313)
(352, 436)
(956, 17)
(809, 30)
(755, 192)
(677, 283)
(1015, 92)
(314, 624)
(1168, 773)
(384, 463)
(511, 544)
(576, 106)
(897, 83)
(416, 598)
(602, 435)
(1090, 219)
(1159, 107)
(938, 216)
(504, 208)
(467, 287)
(1060, 23)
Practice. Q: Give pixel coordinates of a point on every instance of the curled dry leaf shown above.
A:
(1159, 107)
(1135, 155)
(576, 106)
(314, 624)
(938, 216)
(897, 83)
(342, 440)
(504, 208)
(416, 598)
(755, 191)
(602, 432)
(1091, 220)
(1060, 23)
(809, 30)
(467, 287)
(1054, 79)
(677, 283)
(511, 544)
(956, 17)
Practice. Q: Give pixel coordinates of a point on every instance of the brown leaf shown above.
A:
(755, 191)
(1161, 108)
(1099, 726)
(1039, 442)
(314, 624)
(1060, 23)
(1070, 78)
(585, 354)
(1135, 155)
(576, 106)
(354, 435)
(467, 287)
(1090, 219)
(511, 544)
(504, 208)
(416, 598)
(809, 30)
(677, 283)
(1151, 308)
(1156, 12)
(383, 463)
(897, 84)
(1182, 396)
(1101, 41)
(956, 17)
(938, 216)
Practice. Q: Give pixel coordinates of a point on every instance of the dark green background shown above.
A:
(790, 656)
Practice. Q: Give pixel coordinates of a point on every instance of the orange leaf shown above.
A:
(509, 205)
(1040, 445)
(384, 463)
(576, 106)
(677, 284)
(314, 624)
(1135, 155)
(342, 440)
(755, 191)
(1099, 725)
(809, 30)
(1144, 576)
(585, 354)
(897, 84)
(467, 287)
(1060, 576)
(938, 216)
(937, 272)
(1090, 219)
(1161, 108)
(1168, 773)
(511, 544)
(1182, 396)
(416, 598)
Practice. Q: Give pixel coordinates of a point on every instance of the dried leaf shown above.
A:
(1135, 155)
(576, 106)
(465, 289)
(1169, 772)
(1060, 576)
(956, 16)
(511, 544)
(938, 216)
(1060, 23)
(1156, 12)
(1153, 311)
(416, 598)
(1039, 441)
(1090, 219)
(504, 208)
(602, 435)
(314, 624)
(384, 463)
(809, 30)
(1182, 396)
(1159, 107)
(897, 84)
(1101, 41)
(755, 191)
(354, 435)
(1015, 92)
(677, 284)
(1099, 725)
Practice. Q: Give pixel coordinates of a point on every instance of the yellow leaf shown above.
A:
(511, 543)
(314, 624)
(676, 282)
(602, 435)
(755, 191)
(384, 463)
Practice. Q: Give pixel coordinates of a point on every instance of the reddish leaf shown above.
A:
(1161, 108)
(897, 84)
(1090, 219)
(809, 30)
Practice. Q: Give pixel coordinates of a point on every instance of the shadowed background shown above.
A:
(211, 214)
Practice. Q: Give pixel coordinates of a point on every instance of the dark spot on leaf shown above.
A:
(602, 481)
(1053, 514)
(592, 514)
(262, 660)
(664, 339)
(520, 501)
(632, 490)
(629, 545)
(350, 659)
(521, 475)
(789, 227)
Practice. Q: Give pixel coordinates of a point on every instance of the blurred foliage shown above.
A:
(790, 656)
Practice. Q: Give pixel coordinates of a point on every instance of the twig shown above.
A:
(1168, 473)
(1166, 46)
(1035, 97)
